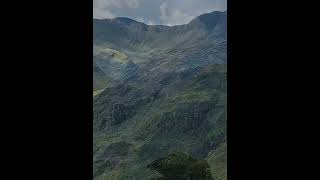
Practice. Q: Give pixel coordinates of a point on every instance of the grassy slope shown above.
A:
(116, 55)
(100, 79)
(218, 162)
(97, 92)
(158, 128)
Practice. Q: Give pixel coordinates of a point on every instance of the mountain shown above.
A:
(158, 89)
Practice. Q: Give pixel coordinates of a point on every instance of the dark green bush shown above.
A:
(180, 166)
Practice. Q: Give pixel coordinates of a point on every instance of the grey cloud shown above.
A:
(103, 8)
(125, 3)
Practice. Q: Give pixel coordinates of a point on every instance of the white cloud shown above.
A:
(145, 21)
(140, 19)
(151, 22)
(100, 9)
(173, 16)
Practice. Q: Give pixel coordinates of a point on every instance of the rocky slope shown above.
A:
(158, 89)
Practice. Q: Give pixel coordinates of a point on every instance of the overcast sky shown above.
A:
(167, 12)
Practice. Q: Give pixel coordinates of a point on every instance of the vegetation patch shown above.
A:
(180, 166)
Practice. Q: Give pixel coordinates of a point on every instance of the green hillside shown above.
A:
(158, 90)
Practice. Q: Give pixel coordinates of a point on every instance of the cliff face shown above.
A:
(161, 89)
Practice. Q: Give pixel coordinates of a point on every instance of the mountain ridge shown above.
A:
(119, 18)
(141, 37)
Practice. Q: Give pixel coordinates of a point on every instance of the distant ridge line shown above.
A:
(132, 20)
